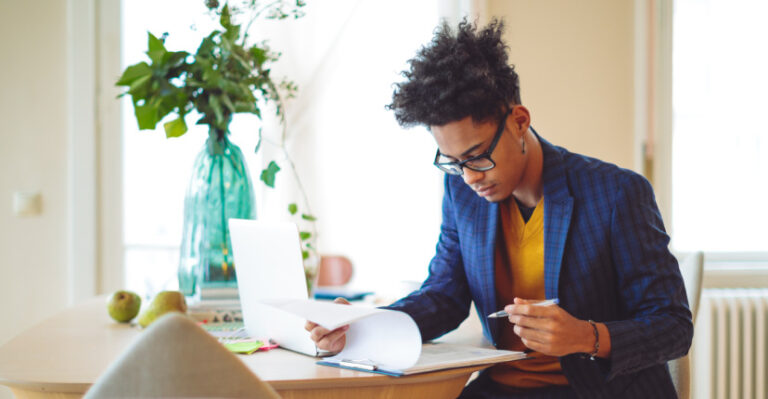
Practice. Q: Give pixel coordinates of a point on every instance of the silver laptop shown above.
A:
(269, 266)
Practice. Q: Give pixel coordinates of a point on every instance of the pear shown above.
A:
(164, 302)
(123, 306)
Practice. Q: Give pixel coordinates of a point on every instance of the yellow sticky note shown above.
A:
(245, 348)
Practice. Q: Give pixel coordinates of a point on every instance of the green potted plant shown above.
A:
(225, 75)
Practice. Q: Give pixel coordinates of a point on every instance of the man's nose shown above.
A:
(472, 176)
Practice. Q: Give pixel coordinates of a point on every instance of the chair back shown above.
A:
(176, 358)
(692, 269)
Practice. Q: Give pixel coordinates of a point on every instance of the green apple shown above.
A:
(123, 306)
(164, 302)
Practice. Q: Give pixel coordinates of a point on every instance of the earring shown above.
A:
(523, 145)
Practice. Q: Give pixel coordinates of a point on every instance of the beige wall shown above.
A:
(33, 157)
(575, 60)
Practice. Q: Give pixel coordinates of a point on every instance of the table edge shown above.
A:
(290, 384)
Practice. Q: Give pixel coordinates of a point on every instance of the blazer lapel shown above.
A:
(558, 206)
(485, 217)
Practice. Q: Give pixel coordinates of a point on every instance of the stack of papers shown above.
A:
(388, 341)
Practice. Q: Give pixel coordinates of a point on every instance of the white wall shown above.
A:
(33, 157)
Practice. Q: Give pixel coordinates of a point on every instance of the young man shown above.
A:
(524, 221)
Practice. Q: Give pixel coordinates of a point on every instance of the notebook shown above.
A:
(269, 267)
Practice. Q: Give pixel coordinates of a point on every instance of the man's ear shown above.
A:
(520, 118)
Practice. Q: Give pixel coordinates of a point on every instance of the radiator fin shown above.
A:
(730, 345)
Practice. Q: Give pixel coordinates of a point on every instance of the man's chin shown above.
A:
(496, 197)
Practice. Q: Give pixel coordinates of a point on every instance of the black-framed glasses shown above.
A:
(478, 163)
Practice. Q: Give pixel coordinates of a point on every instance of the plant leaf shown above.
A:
(164, 105)
(304, 255)
(308, 217)
(259, 54)
(155, 44)
(156, 50)
(247, 107)
(134, 72)
(268, 174)
(146, 116)
(211, 77)
(138, 89)
(293, 208)
(304, 235)
(176, 58)
(225, 19)
(206, 46)
(228, 103)
(175, 128)
(241, 62)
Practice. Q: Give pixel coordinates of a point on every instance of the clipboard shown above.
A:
(433, 357)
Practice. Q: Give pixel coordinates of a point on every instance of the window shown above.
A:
(720, 134)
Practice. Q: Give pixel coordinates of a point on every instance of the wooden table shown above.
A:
(62, 356)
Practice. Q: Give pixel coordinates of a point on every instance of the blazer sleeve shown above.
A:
(443, 300)
(649, 284)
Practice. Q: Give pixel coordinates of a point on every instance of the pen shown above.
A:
(502, 313)
(358, 364)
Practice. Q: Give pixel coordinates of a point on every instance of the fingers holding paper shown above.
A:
(550, 329)
(329, 340)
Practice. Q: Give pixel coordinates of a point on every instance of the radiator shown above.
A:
(730, 343)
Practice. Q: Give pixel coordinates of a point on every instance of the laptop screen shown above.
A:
(269, 266)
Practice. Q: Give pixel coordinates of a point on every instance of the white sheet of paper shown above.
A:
(385, 337)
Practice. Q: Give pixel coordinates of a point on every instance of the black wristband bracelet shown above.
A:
(597, 340)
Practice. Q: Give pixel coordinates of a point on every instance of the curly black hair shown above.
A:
(455, 76)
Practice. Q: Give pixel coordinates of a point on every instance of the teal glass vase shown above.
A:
(220, 188)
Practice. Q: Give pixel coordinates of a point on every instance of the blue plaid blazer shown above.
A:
(606, 259)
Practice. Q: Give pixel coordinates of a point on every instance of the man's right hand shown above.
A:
(325, 339)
